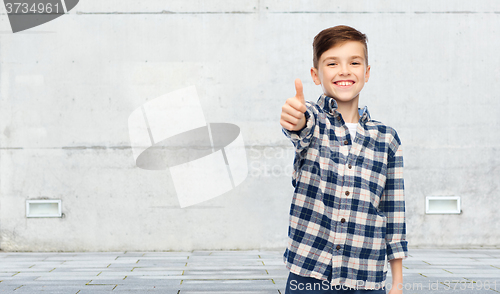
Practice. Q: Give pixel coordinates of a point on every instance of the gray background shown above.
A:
(67, 88)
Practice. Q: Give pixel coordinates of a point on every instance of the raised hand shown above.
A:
(292, 112)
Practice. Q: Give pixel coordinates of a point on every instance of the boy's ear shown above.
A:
(367, 74)
(314, 75)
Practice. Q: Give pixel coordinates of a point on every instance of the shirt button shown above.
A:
(342, 220)
(349, 166)
(338, 247)
(346, 142)
(347, 193)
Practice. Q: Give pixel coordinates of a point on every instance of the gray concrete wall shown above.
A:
(67, 88)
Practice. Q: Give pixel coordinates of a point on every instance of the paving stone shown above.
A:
(433, 270)
(227, 285)
(230, 292)
(222, 273)
(66, 278)
(449, 266)
(124, 284)
(52, 290)
(180, 267)
(145, 289)
(158, 258)
(109, 274)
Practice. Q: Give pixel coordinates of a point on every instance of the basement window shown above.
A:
(43, 208)
(442, 205)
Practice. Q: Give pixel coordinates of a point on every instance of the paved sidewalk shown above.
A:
(250, 272)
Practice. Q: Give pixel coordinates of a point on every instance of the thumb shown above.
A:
(299, 90)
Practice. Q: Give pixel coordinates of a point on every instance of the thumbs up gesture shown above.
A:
(292, 112)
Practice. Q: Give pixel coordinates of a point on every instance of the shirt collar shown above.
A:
(330, 106)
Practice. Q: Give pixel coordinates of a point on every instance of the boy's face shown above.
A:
(342, 71)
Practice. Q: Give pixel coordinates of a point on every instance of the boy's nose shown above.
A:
(343, 71)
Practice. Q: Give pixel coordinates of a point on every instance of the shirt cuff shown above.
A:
(397, 250)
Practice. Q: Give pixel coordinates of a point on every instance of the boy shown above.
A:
(347, 213)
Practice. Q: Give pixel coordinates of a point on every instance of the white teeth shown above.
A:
(344, 83)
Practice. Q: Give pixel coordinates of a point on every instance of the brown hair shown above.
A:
(334, 36)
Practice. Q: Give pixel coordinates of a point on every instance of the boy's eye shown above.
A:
(356, 63)
(332, 64)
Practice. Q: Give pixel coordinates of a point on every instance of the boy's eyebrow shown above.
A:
(352, 57)
(330, 57)
(357, 56)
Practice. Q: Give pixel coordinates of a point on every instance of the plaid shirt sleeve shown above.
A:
(302, 138)
(392, 203)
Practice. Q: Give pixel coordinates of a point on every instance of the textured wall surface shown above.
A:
(67, 88)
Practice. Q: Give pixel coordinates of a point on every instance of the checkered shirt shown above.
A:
(347, 216)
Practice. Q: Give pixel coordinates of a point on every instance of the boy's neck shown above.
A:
(349, 110)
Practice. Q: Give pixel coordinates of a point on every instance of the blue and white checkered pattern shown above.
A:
(347, 216)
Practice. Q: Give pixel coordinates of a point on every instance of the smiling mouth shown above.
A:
(344, 83)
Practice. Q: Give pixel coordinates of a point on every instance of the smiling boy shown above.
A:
(347, 213)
